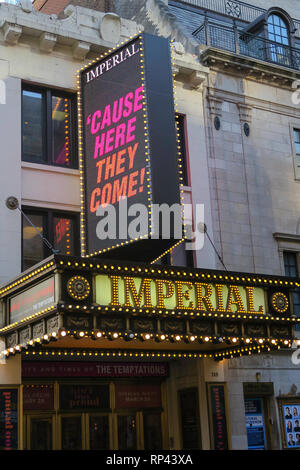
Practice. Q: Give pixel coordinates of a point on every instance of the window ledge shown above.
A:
(287, 236)
(50, 168)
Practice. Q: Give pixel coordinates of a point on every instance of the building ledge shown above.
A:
(291, 237)
(83, 30)
(247, 67)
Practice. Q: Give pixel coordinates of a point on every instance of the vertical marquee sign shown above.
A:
(9, 418)
(128, 150)
(217, 405)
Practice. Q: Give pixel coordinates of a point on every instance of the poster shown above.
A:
(291, 420)
(255, 423)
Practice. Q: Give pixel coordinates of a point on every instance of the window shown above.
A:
(180, 123)
(60, 229)
(278, 30)
(291, 270)
(48, 127)
(278, 33)
(297, 151)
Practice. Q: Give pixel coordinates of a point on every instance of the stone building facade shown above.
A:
(250, 121)
(237, 96)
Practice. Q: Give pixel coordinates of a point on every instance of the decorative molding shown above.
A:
(197, 79)
(80, 27)
(47, 42)
(38, 329)
(80, 50)
(248, 67)
(245, 112)
(12, 33)
(110, 28)
(290, 237)
(215, 106)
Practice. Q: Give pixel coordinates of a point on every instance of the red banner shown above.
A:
(94, 369)
(138, 396)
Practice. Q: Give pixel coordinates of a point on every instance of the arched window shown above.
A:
(279, 37)
(278, 30)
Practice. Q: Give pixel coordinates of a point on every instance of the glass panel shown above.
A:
(297, 135)
(291, 270)
(298, 165)
(63, 235)
(127, 432)
(296, 304)
(278, 30)
(61, 130)
(190, 420)
(290, 264)
(41, 434)
(33, 249)
(297, 147)
(71, 433)
(33, 127)
(99, 432)
(152, 431)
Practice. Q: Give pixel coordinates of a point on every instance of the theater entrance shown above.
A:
(97, 414)
(92, 431)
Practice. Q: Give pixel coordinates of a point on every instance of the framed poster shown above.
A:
(9, 422)
(289, 411)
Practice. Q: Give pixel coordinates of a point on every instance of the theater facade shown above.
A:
(129, 355)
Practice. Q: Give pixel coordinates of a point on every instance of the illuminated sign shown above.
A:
(31, 301)
(128, 150)
(9, 419)
(218, 416)
(126, 291)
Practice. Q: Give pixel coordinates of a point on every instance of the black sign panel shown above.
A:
(8, 419)
(83, 397)
(218, 416)
(190, 420)
(128, 150)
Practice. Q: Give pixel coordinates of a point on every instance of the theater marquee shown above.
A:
(160, 293)
(126, 310)
(128, 150)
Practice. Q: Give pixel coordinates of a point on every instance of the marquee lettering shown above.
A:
(127, 291)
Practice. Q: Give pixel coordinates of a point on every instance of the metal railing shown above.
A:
(236, 41)
(234, 9)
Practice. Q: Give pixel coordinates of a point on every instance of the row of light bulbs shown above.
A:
(146, 336)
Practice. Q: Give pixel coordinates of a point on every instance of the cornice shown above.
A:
(248, 68)
(83, 30)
